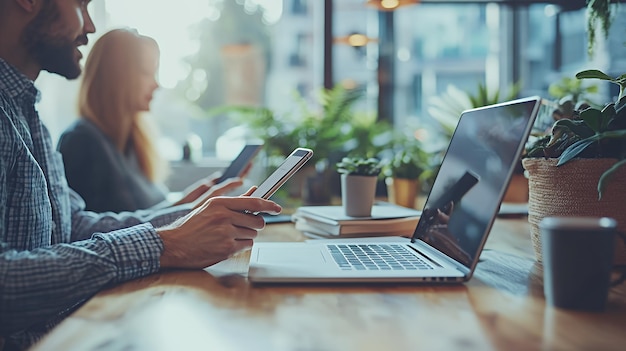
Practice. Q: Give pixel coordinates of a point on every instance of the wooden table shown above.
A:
(501, 308)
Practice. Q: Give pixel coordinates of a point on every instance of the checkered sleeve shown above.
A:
(38, 284)
(85, 223)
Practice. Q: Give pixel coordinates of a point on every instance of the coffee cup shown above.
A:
(577, 261)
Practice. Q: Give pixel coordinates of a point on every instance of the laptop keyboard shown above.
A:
(376, 257)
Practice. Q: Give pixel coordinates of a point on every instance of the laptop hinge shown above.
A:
(429, 251)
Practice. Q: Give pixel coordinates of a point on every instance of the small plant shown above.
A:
(359, 166)
(571, 88)
(407, 164)
(570, 96)
(590, 133)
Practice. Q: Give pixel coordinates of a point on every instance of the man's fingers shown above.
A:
(254, 205)
(242, 245)
(249, 220)
(242, 233)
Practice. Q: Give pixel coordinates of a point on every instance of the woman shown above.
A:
(109, 155)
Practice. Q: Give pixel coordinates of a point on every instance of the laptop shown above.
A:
(455, 222)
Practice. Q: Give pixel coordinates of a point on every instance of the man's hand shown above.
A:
(214, 231)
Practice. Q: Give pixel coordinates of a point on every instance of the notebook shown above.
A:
(456, 219)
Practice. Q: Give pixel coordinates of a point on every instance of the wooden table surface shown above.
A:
(501, 308)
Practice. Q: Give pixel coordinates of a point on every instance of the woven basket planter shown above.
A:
(570, 190)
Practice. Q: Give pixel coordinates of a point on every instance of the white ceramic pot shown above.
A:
(357, 194)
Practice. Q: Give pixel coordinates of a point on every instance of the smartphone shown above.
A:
(240, 162)
(288, 168)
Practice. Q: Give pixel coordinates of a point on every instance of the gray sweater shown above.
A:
(107, 179)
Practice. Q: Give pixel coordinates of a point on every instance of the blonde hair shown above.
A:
(108, 87)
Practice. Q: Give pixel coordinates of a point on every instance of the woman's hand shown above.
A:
(207, 188)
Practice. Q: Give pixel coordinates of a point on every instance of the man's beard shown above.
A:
(54, 54)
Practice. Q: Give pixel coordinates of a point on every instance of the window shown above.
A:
(213, 53)
(259, 52)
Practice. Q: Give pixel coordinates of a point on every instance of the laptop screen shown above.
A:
(474, 174)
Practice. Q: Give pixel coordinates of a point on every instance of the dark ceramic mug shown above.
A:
(577, 261)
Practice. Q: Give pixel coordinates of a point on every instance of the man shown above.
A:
(53, 254)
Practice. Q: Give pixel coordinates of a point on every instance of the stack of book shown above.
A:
(331, 221)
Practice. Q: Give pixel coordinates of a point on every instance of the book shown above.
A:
(396, 226)
(331, 220)
(312, 230)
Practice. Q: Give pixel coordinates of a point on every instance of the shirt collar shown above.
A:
(16, 84)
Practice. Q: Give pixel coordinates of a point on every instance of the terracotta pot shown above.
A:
(517, 192)
(402, 192)
(571, 190)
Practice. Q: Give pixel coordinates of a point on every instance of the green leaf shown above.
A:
(606, 177)
(621, 103)
(359, 166)
(496, 98)
(593, 118)
(608, 114)
(593, 73)
(575, 149)
(612, 134)
(577, 127)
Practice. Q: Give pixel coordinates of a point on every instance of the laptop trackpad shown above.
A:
(295, 254)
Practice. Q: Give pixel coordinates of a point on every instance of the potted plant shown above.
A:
(330, 128)
(579, 169)
(321, 127)
(571, 96)
(402, 175)
(358, 184)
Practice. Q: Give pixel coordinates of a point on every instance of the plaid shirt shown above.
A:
(53, 254)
